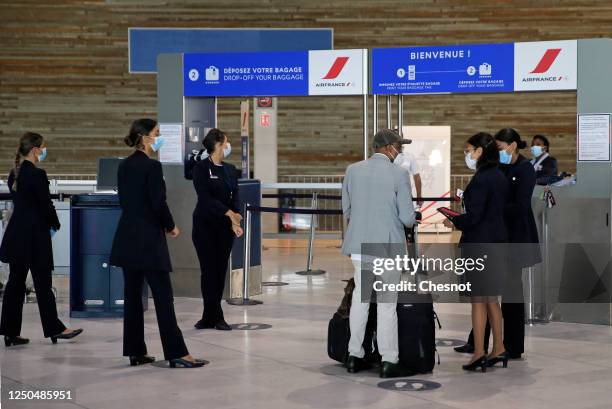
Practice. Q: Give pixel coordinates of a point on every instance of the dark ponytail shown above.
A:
(509, 135)
(27, 142)
(490, 155)
(139, 129)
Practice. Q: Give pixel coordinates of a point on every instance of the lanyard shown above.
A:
(227, 179)
(537, 164)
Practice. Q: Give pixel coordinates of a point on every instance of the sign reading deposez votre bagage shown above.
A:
(327, 72)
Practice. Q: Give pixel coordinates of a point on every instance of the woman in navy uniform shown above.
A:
(26, 245)
(522, 233)
(140, 248)
(524, 250)
(544, 164)
(483, 229)
(216, 221)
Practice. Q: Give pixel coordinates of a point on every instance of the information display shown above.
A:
(443, 69)
(246, 74)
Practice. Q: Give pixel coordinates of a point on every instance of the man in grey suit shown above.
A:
(377, 201)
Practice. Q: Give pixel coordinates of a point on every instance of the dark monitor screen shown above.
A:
(106, 175)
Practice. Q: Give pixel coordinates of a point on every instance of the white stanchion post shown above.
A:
(309, 271)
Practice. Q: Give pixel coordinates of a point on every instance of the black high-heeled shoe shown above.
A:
(465, 349)
(503, 358)
(222, 326)
(183, 363)
(10, 341)
(141, 360)
(478, 363)
(69, 335)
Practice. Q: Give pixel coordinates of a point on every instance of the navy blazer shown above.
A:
(27, 239)
(484, 200)
(217, 189)
(140, 239)
(547, 170)
(519, 213)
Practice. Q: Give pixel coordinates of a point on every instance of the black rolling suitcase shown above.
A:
(339, 333)
(417, 332)
(416, 323)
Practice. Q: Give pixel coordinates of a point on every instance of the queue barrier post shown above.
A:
(246, 261)
(309, 271)
(542, 316)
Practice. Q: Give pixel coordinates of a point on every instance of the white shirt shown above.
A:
(407, 161)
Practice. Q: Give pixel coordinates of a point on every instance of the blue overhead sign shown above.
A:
(443, 69)
(246, 74)
(146, 43)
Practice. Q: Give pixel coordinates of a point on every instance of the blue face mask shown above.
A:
(536, 151)
(159, 142)
(227, 150)
(42, 155)
(504, 157)
(471, 163)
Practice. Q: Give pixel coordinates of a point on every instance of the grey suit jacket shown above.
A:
(377, 201)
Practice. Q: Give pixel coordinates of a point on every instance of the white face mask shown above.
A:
(396, 156)
(471, 163)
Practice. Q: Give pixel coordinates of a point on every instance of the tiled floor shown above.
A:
(286, 366)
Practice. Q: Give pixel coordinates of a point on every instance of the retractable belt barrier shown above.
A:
(58, 196)
(338, 197)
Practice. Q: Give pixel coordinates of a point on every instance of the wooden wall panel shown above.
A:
(63, 72)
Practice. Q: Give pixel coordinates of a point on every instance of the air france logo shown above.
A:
(334, 72)
(336, 68)
(547, 61)
(543, 66)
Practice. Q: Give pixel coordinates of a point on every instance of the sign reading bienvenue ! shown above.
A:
(443, 69)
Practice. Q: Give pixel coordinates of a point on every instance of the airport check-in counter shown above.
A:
(182, 199)
(573, 282)
(96, 287)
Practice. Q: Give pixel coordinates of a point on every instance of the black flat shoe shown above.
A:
(354, 364)
(465, 349)
(10, 341)
(503, 358)
(69, 335)
(223, 326)
(204, 325)
(183, 363)
(478, 363)
(390, 370)
(141, 360)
